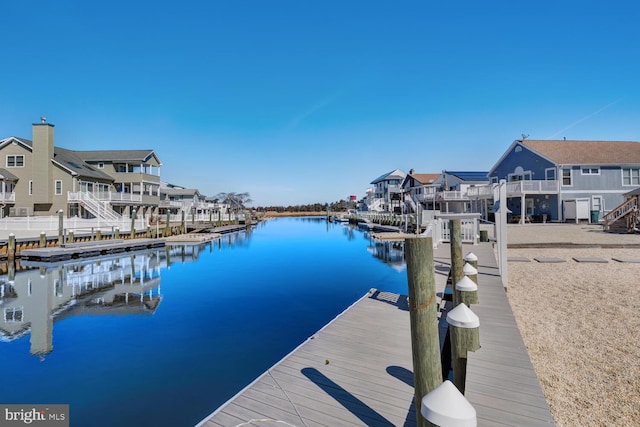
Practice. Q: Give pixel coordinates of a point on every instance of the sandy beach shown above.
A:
(580, 321)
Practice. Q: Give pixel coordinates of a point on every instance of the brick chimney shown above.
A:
(42, 171)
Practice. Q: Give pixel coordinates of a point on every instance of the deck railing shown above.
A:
(517, 188)
(619, 212)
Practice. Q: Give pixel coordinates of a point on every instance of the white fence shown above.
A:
(49, 224)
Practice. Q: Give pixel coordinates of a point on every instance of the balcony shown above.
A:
(8, 197)
(533, 187)
(516, 188)
(135, 177)
(109, 196)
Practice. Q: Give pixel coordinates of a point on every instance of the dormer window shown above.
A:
(101, 165)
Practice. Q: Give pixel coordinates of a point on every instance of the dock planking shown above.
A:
(357, 370)
(501, 382)
(89, 249)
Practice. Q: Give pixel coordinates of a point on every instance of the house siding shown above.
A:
(526, 160)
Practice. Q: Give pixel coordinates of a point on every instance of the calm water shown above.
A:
(191, 329)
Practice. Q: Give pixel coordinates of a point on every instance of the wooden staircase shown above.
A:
(625, 218)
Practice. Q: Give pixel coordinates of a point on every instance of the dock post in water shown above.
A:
(423, 314)
(98, 234)
(184, 227)
(133, 224)
(117, 231)
(60, 227)
(11, 246)
(70, 237)
(43, 239)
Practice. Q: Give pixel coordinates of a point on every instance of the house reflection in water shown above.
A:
(389, 252)
(31, 300)
(40, 293)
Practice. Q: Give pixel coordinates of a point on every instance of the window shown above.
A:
(494, 179)
(590, 171)
(30, 188)
(630, 176)
(15, 161)
(13, 314)
(58, 187)
(566, 177)
(550, 174)
(101, 165)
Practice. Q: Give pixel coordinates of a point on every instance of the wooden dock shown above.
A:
(357, 370)
(89, 249)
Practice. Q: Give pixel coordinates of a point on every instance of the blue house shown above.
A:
(560, 180)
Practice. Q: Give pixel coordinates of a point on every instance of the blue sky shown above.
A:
(298, 101)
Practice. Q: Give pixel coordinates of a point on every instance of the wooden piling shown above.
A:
(70, 237)
(465, 337)
(60, 227)
(43, 240)
(133, 224)
(11, 246)
(183, 226)
(455, 237)
(117, 231)
(425, 341)
(98, 234)
(472, 259)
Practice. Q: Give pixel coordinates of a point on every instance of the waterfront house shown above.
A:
(38, 179)
(559, 180)
(454, 197)
(387, 196)
(419, 189)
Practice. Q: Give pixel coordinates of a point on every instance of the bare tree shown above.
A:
(236, 201)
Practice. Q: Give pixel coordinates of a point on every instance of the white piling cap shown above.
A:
(470, 257)
(463, 317)
(469, 270)
(447, 407)
(466, 285)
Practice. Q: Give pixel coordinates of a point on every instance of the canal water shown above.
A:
(164, 337)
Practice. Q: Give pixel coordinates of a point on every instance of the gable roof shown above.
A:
(117, 155)
(5, 175)
(424, 178)
(69, 160)
(395, 174)
(189, 192)
(572, 152)
(470, 176)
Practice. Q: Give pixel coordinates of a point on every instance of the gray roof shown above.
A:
(70, 160)
(117, 155)
(7, 176)
(470, 176)
(179, 192)
(394, 174)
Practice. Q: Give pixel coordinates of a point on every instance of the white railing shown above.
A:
(535, 186)
(49, 224)
(517, 188)
(104, 196)
(7, 197)
(480, 191)
(100, 209)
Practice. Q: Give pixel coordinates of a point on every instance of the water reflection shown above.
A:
(40, 293)
(389, 252)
